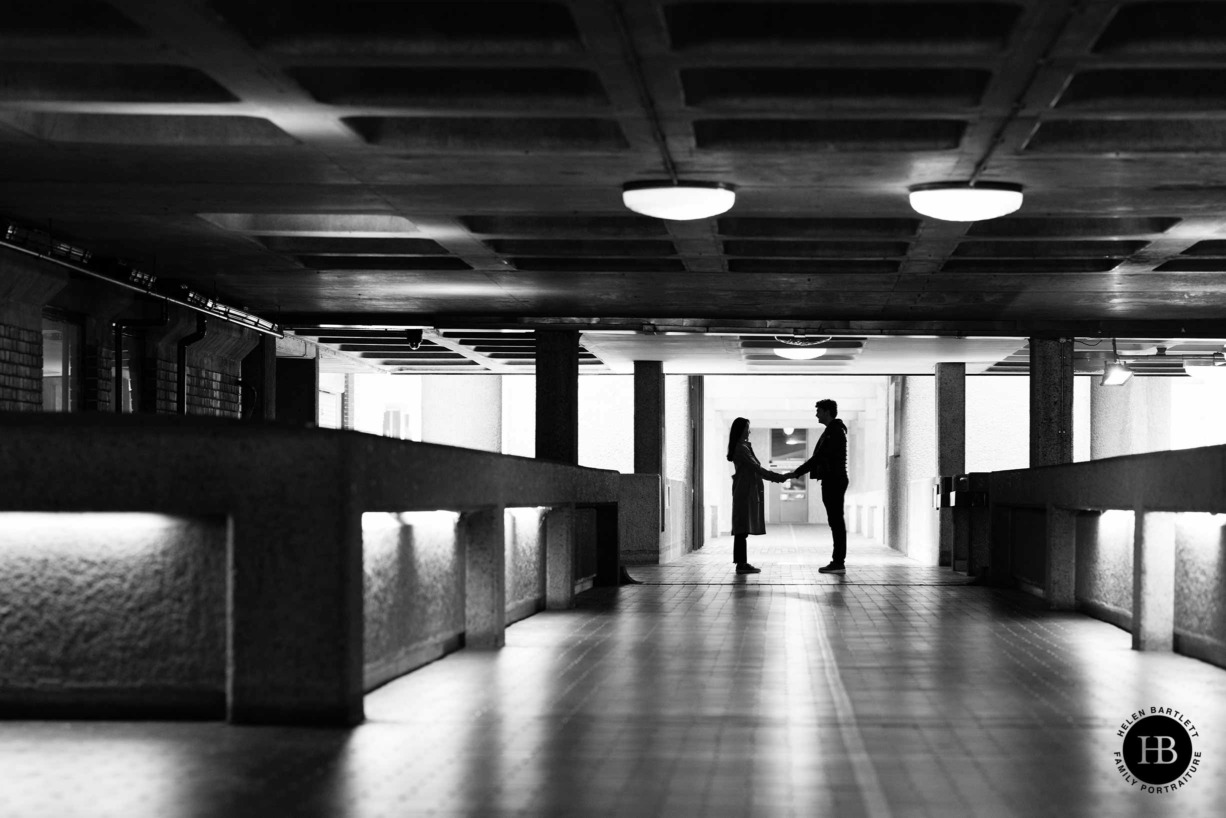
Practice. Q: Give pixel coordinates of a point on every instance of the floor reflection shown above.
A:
(895, 690)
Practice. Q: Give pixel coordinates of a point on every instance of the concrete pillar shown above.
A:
(296, 614)
(648, 417)
(557, 395)
(1060, 583)
(560, 558)
(1051, 401)
(698, 531)
(482, 534)
(953, 524)
(1153, 581)
(259, 376)
(297, 390)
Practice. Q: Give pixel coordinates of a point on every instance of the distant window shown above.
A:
(62, 367)
(130, 374)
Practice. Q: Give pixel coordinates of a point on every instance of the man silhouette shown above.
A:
(829, 465)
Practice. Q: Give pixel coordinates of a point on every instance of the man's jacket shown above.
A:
(829, 458)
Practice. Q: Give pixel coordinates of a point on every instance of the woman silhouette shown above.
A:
(748, 515)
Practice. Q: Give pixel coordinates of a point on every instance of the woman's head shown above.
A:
(738, 432)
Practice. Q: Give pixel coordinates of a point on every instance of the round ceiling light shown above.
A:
(681, 201)
(800, 353)
(962, 202)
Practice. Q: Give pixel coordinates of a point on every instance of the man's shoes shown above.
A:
(746, 568)
(832, 569)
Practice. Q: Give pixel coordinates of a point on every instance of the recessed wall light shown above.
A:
(963, 202)
(680, 201)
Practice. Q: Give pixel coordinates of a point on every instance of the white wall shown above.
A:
(375, 395)
(606, 422)
(519, 415)
(911, 523)
(462, 410)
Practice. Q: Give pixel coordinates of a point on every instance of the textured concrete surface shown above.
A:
(296, 609)
(113, 613)
(1104, 565)
(413, 591)
(1190, 483)
(639, 519)
(525, 563)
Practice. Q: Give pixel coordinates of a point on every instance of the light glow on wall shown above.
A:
(377, 521)
(115, 534)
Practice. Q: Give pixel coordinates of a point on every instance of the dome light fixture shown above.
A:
(800, 353)
(964, 202)
(800, 347)
(679, 201)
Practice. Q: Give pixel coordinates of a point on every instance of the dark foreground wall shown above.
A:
(303, 567)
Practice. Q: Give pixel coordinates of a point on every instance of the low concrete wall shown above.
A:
(295, 576)
(640, 526)
(1070, 533)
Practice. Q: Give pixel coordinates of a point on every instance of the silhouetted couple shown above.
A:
(828, 464)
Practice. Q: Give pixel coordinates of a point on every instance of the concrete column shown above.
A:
(648, 417)
(560, 558)
(297, 390)
(1051, 401)
(482, 534)
(1060, 583)
(698, 533)
(557, 395)
(296, 612)
(1153, 581)
(259, 374)
(953, 524)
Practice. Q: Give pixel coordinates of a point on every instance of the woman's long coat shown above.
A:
(748, 504)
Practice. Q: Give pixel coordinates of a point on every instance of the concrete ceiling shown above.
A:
(457, 166)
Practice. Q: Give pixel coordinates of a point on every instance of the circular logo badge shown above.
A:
(1157, 750)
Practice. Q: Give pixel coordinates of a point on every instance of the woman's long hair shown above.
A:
(735, 433)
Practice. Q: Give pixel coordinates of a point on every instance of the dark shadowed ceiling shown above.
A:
(342, 166)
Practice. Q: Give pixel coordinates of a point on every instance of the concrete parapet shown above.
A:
(639, 520)
(291, 502)
(1160, 575)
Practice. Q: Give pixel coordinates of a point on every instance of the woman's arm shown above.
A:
(744, 460)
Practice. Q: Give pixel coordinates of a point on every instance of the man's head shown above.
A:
(827, 410)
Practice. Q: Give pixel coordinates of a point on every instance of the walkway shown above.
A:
(897, 690)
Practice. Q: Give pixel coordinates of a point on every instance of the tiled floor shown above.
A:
(898, 690)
